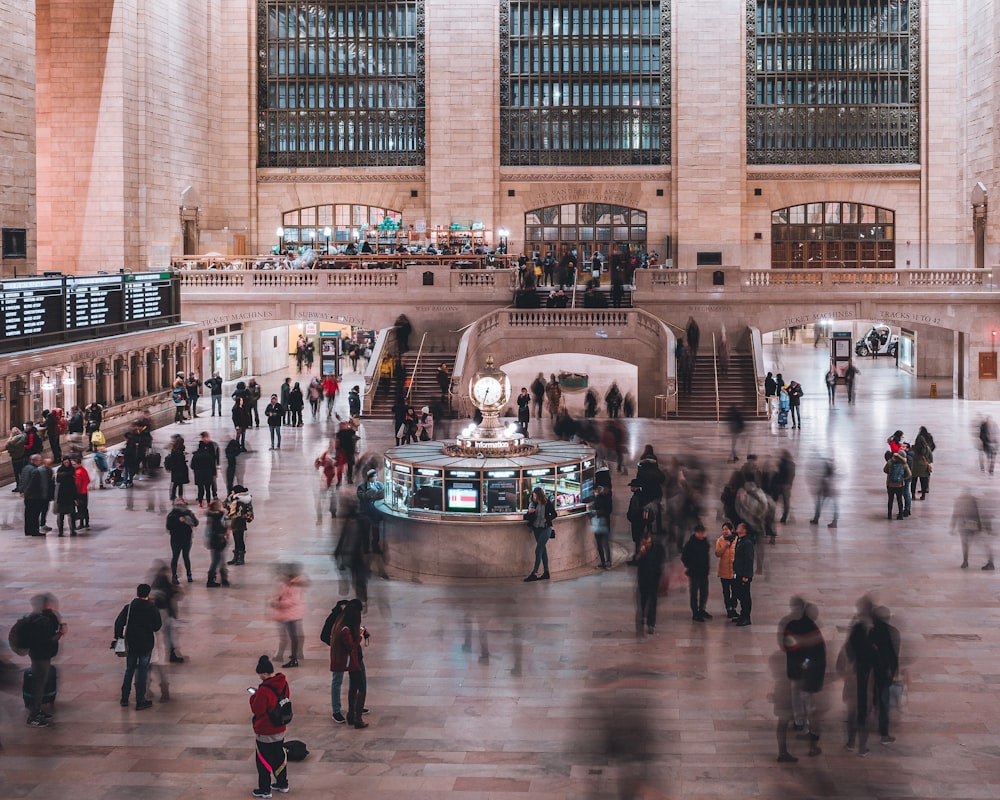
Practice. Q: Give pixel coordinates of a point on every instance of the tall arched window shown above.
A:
(584, 82)
(336, 225)
(833, 234)
(833, 82)
(340, 83)
(583, 228)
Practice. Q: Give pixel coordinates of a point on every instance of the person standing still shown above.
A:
(214, 385)
(794, 402)
(725, 551)
(274, 413)
(541, 511)
(138, 622)
(695, 558)
(831, 385)
(271, 760)
(743, 562)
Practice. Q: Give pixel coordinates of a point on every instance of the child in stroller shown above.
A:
(116, 475)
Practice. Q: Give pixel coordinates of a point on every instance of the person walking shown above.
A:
(805, 665)
(826, 488)
(203, 466)
(138, 622)
(540, 514)
(649, 561)
(44, 632)
(288, 608)
(968, 523)
(831, 384)
(34, 487)
(331, 388)
(696, 561)
(874, 655)
(743, 563)
(271, 760)
(725, 551)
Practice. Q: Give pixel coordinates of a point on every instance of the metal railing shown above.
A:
(416, 365)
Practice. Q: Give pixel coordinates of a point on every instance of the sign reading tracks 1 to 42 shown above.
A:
(39, 312)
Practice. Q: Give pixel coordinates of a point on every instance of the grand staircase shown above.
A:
(737, 389)
(424, 391)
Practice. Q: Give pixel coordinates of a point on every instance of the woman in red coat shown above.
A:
(345, 656)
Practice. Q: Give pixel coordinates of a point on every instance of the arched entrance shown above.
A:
(583, 229)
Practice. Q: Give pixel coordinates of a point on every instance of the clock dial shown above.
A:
(487, 391)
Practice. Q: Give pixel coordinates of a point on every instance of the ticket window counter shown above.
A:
(484, 491)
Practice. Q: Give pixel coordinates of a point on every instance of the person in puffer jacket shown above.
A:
(270, 757)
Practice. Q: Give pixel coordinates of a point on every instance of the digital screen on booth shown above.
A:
(462, 496)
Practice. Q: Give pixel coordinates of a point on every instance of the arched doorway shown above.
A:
(583, 229)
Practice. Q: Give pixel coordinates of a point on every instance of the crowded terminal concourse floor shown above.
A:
(503, 689)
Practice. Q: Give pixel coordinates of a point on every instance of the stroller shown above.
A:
(116, 475)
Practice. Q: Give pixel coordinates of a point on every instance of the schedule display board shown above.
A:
(32, 307)
(94, 301)
(40, 312)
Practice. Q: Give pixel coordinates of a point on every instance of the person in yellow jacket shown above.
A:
(725, 551)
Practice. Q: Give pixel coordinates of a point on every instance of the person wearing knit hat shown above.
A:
(271, 760)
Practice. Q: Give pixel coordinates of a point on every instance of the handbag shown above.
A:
(118, 645)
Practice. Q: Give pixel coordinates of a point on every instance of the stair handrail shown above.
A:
(384, 347)
(757, 350)
(715, 376)
(413, 372)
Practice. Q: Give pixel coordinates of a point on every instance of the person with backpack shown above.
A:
(271, 706)
(15, 449)
(239, 507)
(178, 395)
(328, 636)
(897, 475)
(37, 635)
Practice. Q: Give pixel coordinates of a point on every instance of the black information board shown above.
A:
(39, 312)
(94, 301)
(148, 295)
(32, 307)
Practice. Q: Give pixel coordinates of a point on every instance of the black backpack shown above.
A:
(281, 714)
(21, 635)
(296, 750)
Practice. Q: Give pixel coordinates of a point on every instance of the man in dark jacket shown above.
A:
(34, 490)
(743, 570)
(214, 385)
(697, 564)
(180, 525)
(45, 631)
(138, 622)
(873, 649)
(274, 412)
(805, 666)
(649, 559)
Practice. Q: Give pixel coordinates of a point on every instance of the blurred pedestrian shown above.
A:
(826, 489)
(288, 608)
(805, 664)
(44, 632)
(649, 560)
(697, 563)
(872, 649)
(987, 444)
(968, 521)
(600, 522)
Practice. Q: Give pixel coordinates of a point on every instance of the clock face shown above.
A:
(487, 391)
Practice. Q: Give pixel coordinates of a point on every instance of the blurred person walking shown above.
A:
(697, 564)
(43, 632)
(288, 608)
(649, 560)
(180, 525)
(967, 520)
(805, 665)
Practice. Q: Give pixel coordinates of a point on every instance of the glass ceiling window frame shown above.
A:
(833, 81)
(585, 82)
(340, 84)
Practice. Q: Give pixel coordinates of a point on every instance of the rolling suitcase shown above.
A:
(782, 417)
(153, 460)
(48, 695)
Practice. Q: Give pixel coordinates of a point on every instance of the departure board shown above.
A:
(148, 295)
(55, 308)
(32, 307)
(93, 301)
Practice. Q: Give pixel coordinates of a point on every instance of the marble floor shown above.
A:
(505, 689)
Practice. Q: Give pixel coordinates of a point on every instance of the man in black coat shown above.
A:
(45, 631)
(805, 666)
(743, 569)
(138, 622)
(697, 564)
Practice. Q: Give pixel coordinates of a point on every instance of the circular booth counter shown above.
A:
(459, 517)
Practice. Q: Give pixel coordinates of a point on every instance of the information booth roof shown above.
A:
(428, 454)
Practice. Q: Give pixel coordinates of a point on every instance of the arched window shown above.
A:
(338, 225)
(584, 82)
(833, 234)
(583, 228)
(340, 83)
(833, 82)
